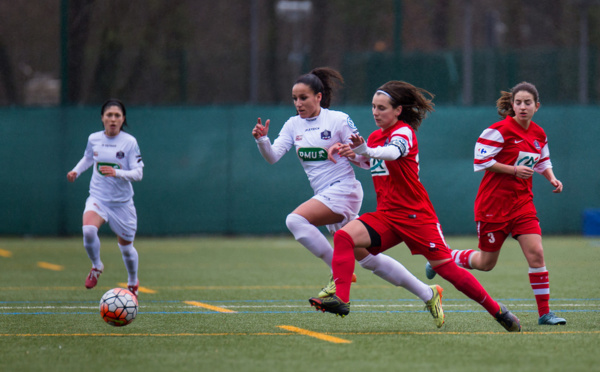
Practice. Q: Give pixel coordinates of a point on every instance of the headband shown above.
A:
(384, 92)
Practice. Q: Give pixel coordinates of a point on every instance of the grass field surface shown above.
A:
(240, 304)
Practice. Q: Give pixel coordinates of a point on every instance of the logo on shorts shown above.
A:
(432, 247)
(120, 154)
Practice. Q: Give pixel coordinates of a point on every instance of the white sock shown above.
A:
(310, 236)
(91, 243)
(130, 258)
(394, 272)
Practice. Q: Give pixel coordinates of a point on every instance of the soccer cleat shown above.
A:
(134, 288)
(92, 278)
(429, 271)
(507, 319)
(435, 305)
(332, 304)
(329, 289)
(551, 319)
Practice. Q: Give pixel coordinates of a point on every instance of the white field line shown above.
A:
(154, 305)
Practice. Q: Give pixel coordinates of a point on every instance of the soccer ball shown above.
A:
(118, 307)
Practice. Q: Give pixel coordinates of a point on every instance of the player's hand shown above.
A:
(332, 151)
(558, 186)
(107, 171)
(357, 140)
(346, 150)
(261, 130)
(524, 172)
(72, 176)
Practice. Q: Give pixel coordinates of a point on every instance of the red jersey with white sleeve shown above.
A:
(502, 197)
(397, 182)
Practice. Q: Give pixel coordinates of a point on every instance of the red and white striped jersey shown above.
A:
(397, 182)
(501, 196)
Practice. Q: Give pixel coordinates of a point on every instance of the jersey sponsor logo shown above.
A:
(299, 137)
(481, 151)
(518, 141)
(351, 124)
(108, 145)
(528, 159)
(378, 168)
(120, 154)
(311, 129)
(325, 135)
(312, 154)
(112, 165)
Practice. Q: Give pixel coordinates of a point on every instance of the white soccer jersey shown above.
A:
(312, 137)
(119, 152)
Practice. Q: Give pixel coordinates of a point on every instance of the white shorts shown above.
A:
(121, 217)
(342, 197)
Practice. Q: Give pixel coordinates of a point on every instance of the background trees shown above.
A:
(197, 52)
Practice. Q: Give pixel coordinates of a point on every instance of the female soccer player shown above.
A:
(404, 212)
(337, 194)
(117, 162)
(509, 152)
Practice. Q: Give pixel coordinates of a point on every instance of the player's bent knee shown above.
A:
(90, 233)
(295, 222)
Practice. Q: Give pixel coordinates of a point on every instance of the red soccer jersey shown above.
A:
(501, 197)
(396, 182)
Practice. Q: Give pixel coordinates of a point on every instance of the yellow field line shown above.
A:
(209, 307)
(49, 266)
(320, 336)
(141, 334)
(292, 329)
(5, 253)
(140, 289)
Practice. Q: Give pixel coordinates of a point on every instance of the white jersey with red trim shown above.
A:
(501, 196)
(120, 152)
(312, 137)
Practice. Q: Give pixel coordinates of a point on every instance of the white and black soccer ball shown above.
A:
(118, 307)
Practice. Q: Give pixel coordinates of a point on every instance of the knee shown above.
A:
(90, 233)
(127, 250)
(536, 259)
(487, 266)
(295, 221)
(486, 263)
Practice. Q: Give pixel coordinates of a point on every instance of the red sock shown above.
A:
(462, 257)
(343, 264)
(540, 283)
(465, 282)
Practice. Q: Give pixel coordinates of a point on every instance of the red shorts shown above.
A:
(425, 239)
(492, 235)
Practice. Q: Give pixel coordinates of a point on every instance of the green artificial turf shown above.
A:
(240, 304)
